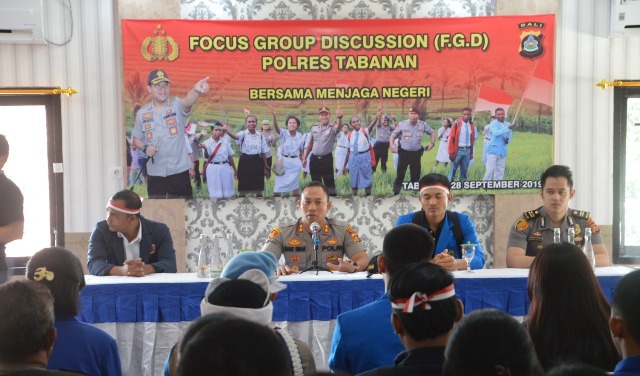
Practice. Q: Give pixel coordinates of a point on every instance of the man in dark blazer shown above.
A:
(127, 244)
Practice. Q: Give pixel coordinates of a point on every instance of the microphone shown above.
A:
(315, 227)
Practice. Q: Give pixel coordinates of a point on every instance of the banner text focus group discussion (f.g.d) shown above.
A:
(307, 42)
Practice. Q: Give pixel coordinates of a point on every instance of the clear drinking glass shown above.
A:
(468, 253)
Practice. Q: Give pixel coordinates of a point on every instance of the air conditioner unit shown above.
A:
(22, 21)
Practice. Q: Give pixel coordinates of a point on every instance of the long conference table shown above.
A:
(148, 315)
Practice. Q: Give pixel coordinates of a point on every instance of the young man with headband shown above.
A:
(424, 310)
(127, 244)
(450, 229)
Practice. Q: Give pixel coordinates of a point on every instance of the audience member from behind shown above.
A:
(250, 297)
(233, 347)
(11, 215)
(128, 244)
(576, 369)
(425, 308)
(79, 347)
(569, 313)
(351, 346)
(246, 289)
(490, 342)
(625, 324)
(27, 329)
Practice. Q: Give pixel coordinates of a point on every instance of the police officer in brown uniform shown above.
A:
(323, 136)
(336, 238)
(534, 229)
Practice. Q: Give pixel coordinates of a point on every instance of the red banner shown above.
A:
(437, 65)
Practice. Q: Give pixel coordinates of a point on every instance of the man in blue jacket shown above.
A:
(450, 229)
(127, 244)
(351, 345)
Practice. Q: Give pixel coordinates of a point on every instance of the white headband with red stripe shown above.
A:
(434, 185)
(422, 299)
(111, 204)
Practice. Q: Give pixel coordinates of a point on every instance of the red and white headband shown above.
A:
(422, 299)
(434, 185)
(111, 204)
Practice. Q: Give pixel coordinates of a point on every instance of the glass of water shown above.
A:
(468, 253)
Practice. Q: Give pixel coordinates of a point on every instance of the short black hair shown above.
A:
(557, 171)
(314, 183)
(27, 318)
(65, 277)
(239, 293)
(4, 146)
(234, 347)
(130, 198)
(435, 179)
(576, 369)
(405, 244)
(426, 278)
(498, 341)
(626, 303)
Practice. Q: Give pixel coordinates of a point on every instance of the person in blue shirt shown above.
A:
(500, 135)
(625, 324)
(79, 347)
(449, 229)
(351, 346)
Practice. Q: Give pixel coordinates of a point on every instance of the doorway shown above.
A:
(32, 125)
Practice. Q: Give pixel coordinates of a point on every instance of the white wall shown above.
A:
(92, 120)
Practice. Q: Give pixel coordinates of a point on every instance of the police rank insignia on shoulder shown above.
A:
(594, 227)
(275, 232)
(353, 233)
(522, 224)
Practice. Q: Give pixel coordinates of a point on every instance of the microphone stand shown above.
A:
(314, 263)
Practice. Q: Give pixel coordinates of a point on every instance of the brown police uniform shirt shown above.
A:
(336, 239)
(323, 139)
(533, 230)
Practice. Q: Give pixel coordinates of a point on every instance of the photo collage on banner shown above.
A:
(403, 90)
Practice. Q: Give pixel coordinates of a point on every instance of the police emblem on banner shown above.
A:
(159, 47)
(531, 44)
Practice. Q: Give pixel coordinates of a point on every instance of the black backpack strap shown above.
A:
(419, 219)
(457, 230)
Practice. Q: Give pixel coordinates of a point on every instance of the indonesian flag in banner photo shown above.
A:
(247, 111)
(540, 88)
(490, 98)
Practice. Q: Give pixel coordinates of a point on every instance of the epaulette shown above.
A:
(531, 214)
(580, 214)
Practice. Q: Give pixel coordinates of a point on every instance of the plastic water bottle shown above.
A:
(556, 235)
(587, 248)
(202, 269)
(571, 235)
(216, 257)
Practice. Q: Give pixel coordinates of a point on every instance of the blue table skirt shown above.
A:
(300, 301)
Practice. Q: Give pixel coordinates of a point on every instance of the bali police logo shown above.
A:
(531, 46)
(159, 47)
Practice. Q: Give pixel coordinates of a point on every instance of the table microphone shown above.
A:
(315, 227)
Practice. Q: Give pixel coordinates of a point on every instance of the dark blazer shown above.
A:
(107, 250)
